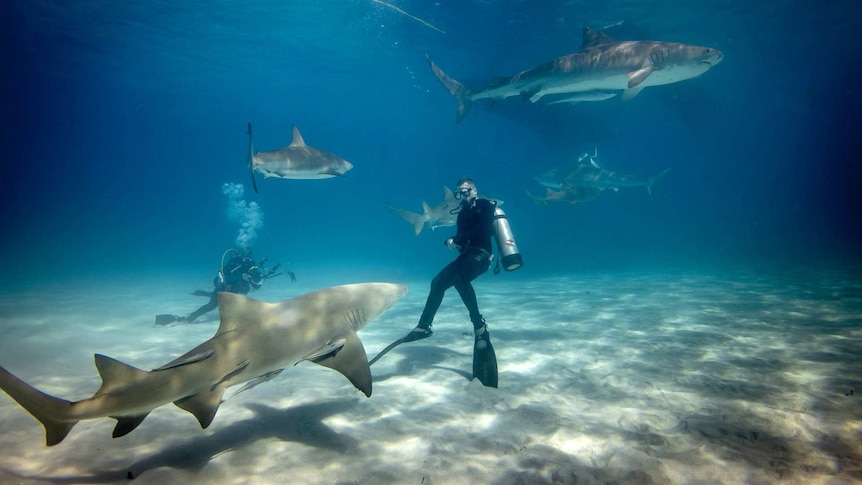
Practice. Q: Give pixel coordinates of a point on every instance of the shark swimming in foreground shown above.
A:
(441, 215)
(602, 69)
(254, 342)
(295, 161)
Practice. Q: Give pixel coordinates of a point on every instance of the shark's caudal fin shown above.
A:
(461, 92)
(416, 220)
(251, 159)
(49, 410)
(655, 179)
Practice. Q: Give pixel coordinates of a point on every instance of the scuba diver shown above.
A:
(478, 221)
(239, 275)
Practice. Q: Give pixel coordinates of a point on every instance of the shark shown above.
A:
(443, 214)
(295, 161)
(566, 193)
(587, 173)
(602, 69)
(255, 340)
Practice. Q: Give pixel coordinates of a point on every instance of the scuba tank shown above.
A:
(506, 242)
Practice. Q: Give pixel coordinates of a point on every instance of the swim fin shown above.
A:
(484, 360)
(167, 319)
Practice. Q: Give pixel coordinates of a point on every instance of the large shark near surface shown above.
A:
(295, 161)
(255, 341)
(602, 69)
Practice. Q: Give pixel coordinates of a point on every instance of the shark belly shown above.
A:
(581, 83)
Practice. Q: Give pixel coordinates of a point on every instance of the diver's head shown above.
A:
(466, 190)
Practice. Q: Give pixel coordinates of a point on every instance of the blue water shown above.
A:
(121, 124)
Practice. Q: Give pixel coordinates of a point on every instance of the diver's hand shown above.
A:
(450, 243)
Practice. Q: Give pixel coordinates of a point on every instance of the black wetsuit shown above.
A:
(232, 282)
(475, 227)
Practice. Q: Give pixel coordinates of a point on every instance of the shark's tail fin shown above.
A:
(251, 159)
(416, 220)
(461, 92)
(655, 179)
(49, 410)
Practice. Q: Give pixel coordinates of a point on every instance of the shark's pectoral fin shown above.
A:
(202, 406)
(637, 77)
(350, 359)
(327, 351)
(631, 93)
(533, 94)
(127, 424)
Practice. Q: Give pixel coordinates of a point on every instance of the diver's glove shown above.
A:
(450, 243)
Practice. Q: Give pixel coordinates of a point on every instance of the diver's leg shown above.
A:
(445, 279)
(484, 357)
(206, 308)
(442, 282)
(472, 266)
(468, 296)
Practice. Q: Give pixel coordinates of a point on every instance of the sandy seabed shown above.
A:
(683, 377)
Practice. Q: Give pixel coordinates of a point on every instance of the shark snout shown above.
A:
(714, 57)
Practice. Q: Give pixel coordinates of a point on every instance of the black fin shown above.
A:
(485, 365)
(167, 319)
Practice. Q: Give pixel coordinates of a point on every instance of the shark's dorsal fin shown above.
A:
(239, 310)
(297, 140)
(447, 193)
(115, 373)
(202, 406)
(351, 361)
(594, 37)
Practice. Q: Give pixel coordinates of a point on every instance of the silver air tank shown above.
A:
(509, 254)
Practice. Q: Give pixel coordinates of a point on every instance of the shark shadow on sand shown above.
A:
(302, 424)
